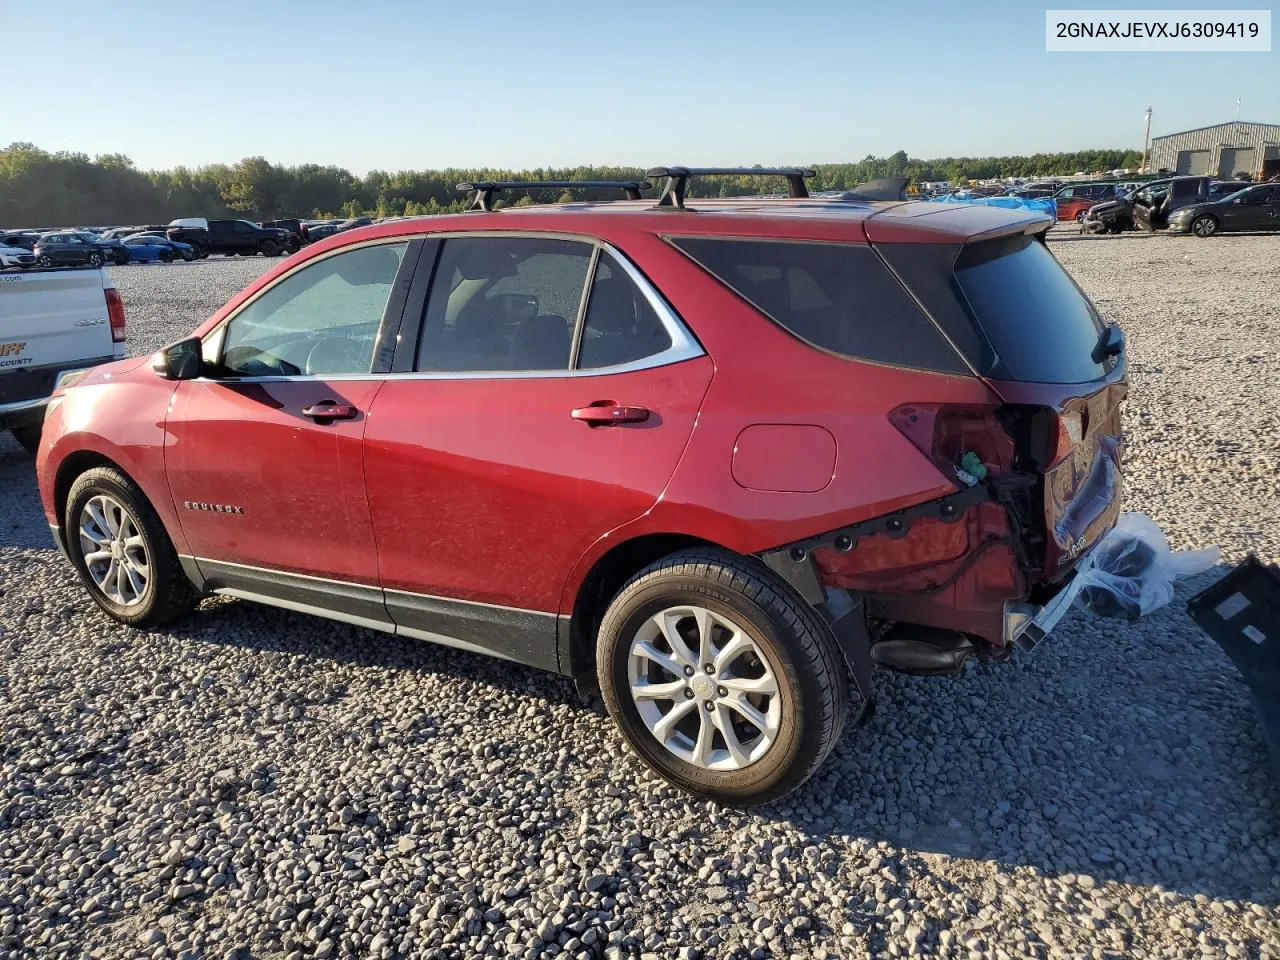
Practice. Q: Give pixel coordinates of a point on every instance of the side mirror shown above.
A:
(1110, 343)
(178, 361)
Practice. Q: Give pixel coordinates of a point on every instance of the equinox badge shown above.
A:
(212, 507)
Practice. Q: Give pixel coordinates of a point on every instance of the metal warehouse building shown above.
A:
(1220, 151)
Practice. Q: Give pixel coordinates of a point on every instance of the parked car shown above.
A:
(354, 222)
(148, 248)
(115, 252)
(1074, 200)
(318, 231)
(231, 237)
(25, 239)
(297, 230)
(53, 326)
(71, 249)
(710, 462)
(1117, 215)
(16, 257)
(1253, 208)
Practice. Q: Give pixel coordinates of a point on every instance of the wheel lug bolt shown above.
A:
(688, 671)
(709, 705)
(721, 691)
(688, 694)
(709, 668)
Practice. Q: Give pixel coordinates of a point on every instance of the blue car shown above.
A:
(147, 248)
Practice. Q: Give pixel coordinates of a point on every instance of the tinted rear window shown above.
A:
(1040, 326)
(839, 297)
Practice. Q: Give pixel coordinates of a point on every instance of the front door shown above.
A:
(523, 436)
(1252, 210)
(264, 452)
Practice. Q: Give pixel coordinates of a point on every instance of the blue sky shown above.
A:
(394, 85)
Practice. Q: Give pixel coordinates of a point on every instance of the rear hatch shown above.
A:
(1028, 330)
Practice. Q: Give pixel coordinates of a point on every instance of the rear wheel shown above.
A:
(44, 260)
(1205, 226)
(721, 679)
(1080, 217)
(28, 437)
(121, 551)
(95, 259)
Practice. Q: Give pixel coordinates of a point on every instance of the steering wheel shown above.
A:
(336, 355)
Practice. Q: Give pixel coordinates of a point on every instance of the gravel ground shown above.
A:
(256, 783)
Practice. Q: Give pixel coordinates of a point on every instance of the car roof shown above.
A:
(783, 218)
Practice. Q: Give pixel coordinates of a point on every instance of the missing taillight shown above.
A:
(115, 314)
(966, 443)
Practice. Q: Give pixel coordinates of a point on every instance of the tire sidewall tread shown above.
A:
(172, 593)
(798, 643)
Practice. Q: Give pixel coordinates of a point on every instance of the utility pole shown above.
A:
(1237, 108)
(1146, 143)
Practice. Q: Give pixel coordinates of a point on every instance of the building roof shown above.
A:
(1212, 126)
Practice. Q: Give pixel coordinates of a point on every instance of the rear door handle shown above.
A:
(604, 413)
(330, 410)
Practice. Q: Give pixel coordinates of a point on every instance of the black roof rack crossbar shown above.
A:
(678, 179)
(485, 189)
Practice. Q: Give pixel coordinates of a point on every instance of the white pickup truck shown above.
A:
(53, 325)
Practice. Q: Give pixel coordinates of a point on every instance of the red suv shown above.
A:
(718, 457)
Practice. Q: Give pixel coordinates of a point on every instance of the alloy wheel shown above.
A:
(704, 688)
(1205, 227)
(114, 550)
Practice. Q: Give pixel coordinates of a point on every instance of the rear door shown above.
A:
(548, 394)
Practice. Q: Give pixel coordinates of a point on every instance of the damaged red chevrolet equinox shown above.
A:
(719, 458)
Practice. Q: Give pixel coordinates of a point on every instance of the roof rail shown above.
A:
(678, 179)
(485, 189)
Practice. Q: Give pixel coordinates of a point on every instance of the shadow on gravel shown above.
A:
(22, 522)
(1149, 769)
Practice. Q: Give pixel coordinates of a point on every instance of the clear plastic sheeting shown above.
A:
(1043, 204)
(1129, 573)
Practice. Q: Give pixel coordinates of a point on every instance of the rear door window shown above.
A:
(838, 297)
(1040, 326)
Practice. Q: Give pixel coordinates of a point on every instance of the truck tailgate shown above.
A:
(53, 317)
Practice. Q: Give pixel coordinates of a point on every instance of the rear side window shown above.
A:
(1041, 328)
(621, 325)
(838, 297)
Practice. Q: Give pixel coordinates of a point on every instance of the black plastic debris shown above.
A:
(1241, 612)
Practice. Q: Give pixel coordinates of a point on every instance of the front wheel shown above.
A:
(1080, 217)
(121, 552)
(166, 256)
(1205, 226)
(188, 256)
(269, 248)
(721, 678)
(120, 257)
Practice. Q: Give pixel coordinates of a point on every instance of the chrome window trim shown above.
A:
(684, 346)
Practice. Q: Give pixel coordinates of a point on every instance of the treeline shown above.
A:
(38, 188)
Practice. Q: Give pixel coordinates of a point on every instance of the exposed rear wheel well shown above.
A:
(70, 468)
(602, 584)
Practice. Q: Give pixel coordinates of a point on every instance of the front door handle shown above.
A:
(328, 410)
(604, 413)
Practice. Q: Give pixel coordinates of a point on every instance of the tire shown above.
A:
(294, 244)
(45, 261)
(188, 256)
(120, 257)
(166, 256)
(1080, 217)
(28, 437)
(166, 593)
(1204, 226)
(269, 248)
(789, 646)
(95, 259)
(202, 253)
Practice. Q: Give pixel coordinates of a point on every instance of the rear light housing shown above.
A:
(115, 313)
(957, 439)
